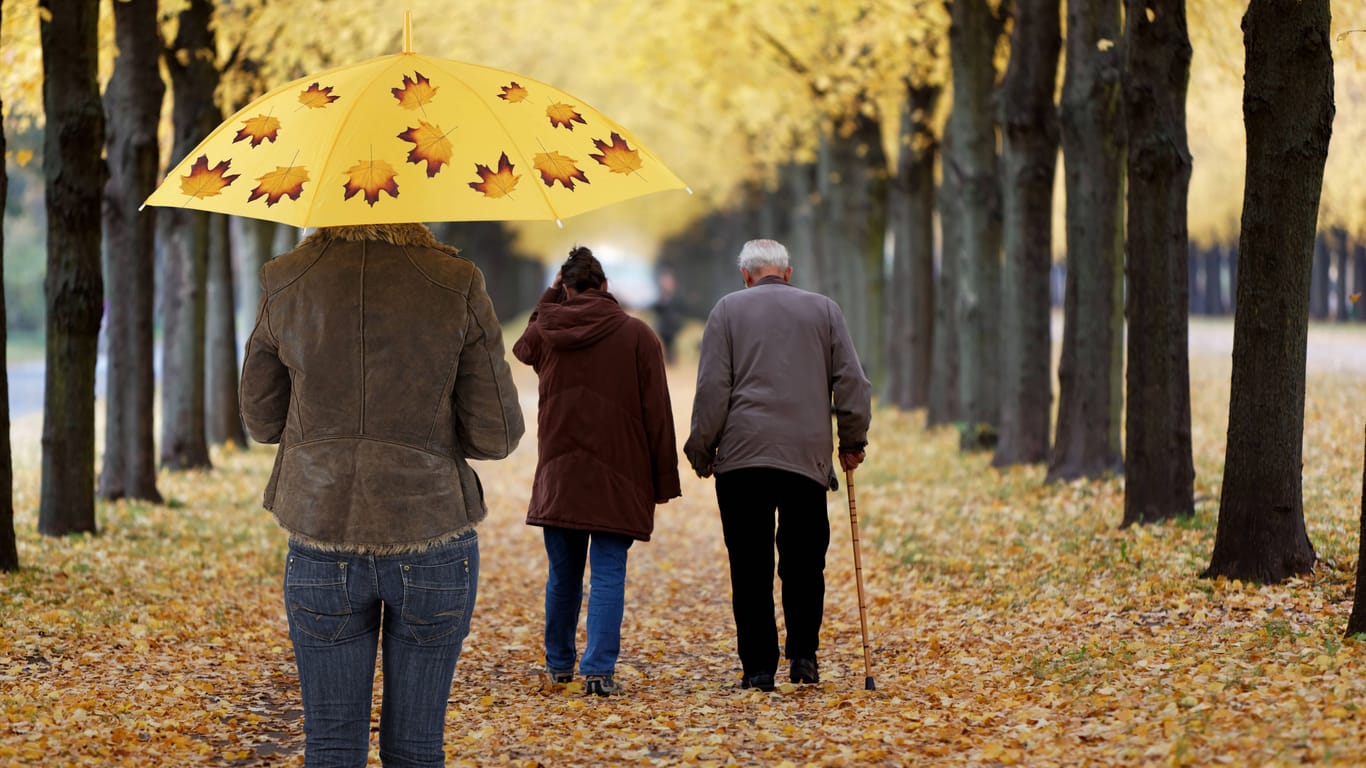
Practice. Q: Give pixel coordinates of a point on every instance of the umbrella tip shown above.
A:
(407, 31)
(689, 190)
(559, 223)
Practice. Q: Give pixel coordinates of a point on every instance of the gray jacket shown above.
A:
(774, 360)
(377, 365)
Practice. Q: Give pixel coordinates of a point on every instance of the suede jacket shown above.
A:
(377, 364)
(607, 451)
(776, 363)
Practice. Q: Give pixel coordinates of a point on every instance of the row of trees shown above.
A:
(969, 88)
(967, 334)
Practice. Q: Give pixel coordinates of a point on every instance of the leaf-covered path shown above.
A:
(1012, 623)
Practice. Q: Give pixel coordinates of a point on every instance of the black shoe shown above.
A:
(560, 677)
(600, 685)
(804, 670)
(763, 681)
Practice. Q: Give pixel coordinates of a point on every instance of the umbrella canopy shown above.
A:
(408, 138)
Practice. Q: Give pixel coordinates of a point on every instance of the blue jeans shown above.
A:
(567, 551)
(338, 603)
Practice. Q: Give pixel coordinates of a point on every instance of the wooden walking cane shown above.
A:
(858, 578)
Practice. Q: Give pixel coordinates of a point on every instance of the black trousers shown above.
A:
(747, 499)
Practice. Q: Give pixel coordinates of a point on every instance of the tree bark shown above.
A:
(184, 238)
(909, 332)
(945, 406)
(1288, 110)
(1359, 286)
(1090, 382)
(1029, 157)
(133, 105)
(223, 415)
(9, 553)
(1356, 624)
(973, 33)
(75, 173)
(1159, 469)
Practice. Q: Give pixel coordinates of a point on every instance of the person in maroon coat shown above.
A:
(607, 456)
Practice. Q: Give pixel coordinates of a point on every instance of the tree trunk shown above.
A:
(1359, 286)
(1214, 294)
(909, 332)
(1288, 109)
(1029, 157)
(133, 105)
(9, 552)
(973, 34)
(803, 237)
(1341, 260)
(1356, 624)
(260, 236)
(1159, 472)
(854, 198)
(223, 415)
(185, 241)
(75, 173)
(1319, 286)
(944, 407)
(1090, 381)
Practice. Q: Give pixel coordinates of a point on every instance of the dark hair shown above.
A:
(582, 271)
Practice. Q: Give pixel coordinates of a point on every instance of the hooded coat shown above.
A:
(605, 432)
(377, 364)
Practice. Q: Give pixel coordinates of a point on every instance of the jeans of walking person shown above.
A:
(338, 605)
(747, 499)
(567, 551)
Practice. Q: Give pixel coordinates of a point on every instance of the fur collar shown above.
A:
(396, 234)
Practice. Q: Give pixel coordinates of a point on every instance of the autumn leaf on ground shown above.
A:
(259, 129)
(371, 177)
(556, 167)
(280, 182)
(513, 92)
(316, 97)
(431, 145)
(563, 116)
(415, 93)
(204, 181)
(495, 183)
(618, 156)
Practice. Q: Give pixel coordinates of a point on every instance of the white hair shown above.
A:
(763, 253)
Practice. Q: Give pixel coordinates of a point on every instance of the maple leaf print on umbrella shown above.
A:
(432, 146)
(617, 156)
(474, 131)
(281, 182)
(499, 183)
(554, 167)
(371, 177)
(258, 129)
(204, 181)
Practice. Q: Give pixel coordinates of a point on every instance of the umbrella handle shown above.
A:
(858, 578)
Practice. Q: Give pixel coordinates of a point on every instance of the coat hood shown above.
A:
(581, 321)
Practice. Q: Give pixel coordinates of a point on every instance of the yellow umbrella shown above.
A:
(408, 138)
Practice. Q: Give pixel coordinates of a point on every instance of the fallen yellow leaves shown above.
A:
(1012, 624)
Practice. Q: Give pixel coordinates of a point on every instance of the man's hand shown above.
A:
(703, 472)
(850, 461)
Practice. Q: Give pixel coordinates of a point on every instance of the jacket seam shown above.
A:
(497, 385)
(363, 253)
(439, 284)
(423, 449)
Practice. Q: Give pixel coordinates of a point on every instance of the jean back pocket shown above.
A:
(315, 594)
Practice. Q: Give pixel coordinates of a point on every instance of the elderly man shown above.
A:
(774, 359)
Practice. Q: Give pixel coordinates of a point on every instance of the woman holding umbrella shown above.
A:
(606, 457)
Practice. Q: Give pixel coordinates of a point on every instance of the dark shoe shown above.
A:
(600, 685)
(560, 677)
(763, 681)
(804, 670)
